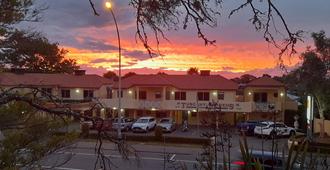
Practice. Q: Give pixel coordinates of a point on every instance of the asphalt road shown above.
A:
(150, 156)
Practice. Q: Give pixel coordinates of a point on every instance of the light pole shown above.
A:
(108, 5)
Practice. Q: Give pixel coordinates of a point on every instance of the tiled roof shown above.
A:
(60, 80)
(265, 82)
(187, 82)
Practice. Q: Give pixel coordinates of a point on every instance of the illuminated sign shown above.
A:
(211, 106)
(309, 115)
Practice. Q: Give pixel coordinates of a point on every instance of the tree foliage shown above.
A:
(29, 136)
(15, 11)
(312, 77)
(34, 53)
(110, 75)
(193, 71)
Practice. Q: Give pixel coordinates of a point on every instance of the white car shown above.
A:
(273, 129)
(144, 124)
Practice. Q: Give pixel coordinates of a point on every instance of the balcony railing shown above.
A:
(178, 105)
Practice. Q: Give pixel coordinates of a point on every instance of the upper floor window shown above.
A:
(88, 94)
(260, 97)
(142, 95)
(65, 93)
(179, 95)
(46, 91)
(168, 95)
(109, 93)
(121, 93)
(158, 95)
(203, 96)
(221, 95)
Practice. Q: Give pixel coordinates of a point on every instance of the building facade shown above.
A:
(198, 98)
(78, 92)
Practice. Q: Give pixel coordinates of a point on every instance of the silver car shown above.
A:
(126, 124)
(167, 124)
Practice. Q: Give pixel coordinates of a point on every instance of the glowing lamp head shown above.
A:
(249, 93)
(108, 5)
(281, 94)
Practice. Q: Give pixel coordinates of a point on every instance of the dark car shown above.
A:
(247, 126)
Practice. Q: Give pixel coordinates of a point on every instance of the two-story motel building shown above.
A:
(199, 97)
(183, 97)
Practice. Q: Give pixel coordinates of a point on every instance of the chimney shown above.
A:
(80, 72)
(205, 72)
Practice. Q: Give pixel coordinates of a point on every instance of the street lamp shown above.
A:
(108, 5)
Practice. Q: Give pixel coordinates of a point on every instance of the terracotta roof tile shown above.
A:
(60, 80)
(265, 82)
(187, 82)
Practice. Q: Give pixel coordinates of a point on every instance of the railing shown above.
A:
(178, 105)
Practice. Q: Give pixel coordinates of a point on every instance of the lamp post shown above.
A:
(108, 5)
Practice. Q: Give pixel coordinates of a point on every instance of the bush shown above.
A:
(84, 130)
(159, 133)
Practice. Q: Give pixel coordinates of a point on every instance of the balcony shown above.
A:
(178, 105)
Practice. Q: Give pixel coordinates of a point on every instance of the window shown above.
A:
(109, 93)
(260, 97)
(121, 93)
(180, 95)
(46, 91)
(168, 95)
(221, 95)
(65, 93)
(88, 94)
(142, 95)
(158, 95)
(203, 96)
(275, 95)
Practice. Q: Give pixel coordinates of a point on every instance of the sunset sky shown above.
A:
(92, 40)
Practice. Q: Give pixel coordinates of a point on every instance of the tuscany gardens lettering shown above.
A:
(193, 105)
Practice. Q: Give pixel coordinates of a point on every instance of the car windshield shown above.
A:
(165, 121)
(262, 124)
(142, 121)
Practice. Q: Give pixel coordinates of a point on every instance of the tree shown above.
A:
(244, 79)
(312, 76)
(192, 71)
(15, 11)
(29, 137)
(111, 75)
(34, 53)
(129, 74)
(159, 16)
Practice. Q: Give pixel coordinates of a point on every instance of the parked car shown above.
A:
(247, 126)
(87, 122)
(105, 124)
(273, 129)
(167, 124)
(126, 124)
(144, 124)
